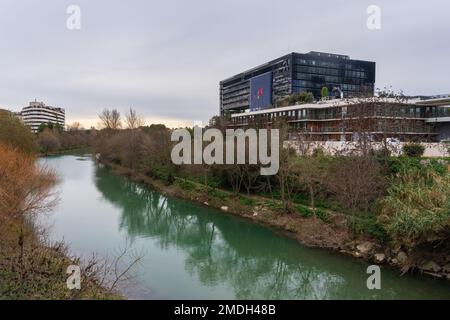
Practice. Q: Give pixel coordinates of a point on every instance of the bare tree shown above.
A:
(105, 118)
(110, 119)
(26, 189)
(250, 175)
(303, 141)
(309, 173)
(116, 271)
(76, 126)
(49, 141)
(234, 174)
(355, 182)
(284, 176)
(133, 120)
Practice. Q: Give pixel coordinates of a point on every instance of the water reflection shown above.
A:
(220, 249)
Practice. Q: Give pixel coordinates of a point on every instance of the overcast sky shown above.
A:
(166, 58)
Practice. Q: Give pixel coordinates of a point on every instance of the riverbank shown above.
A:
(76, 150)
(331, 231)
(31, 268)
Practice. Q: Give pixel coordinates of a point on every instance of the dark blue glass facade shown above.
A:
(311, 72)
(297, 72)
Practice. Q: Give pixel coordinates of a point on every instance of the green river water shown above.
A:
(194, 252)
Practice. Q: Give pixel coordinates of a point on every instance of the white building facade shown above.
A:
(38, 113)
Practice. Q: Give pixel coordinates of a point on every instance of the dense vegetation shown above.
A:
(413, 149)
(403, 200)
(31, 267)
(416, 209)
(13, 132)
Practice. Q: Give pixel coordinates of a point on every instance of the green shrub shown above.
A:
(308, 212)
(170, 178)
(401, 164)
(14, 133)
(304, 211)
(296, 98)
(318, 152)
(324, 92)
(417, 207)
(219, 194)
(323, 215)
(274, 205)
(368, 226)
(185, 184)
(413, 150)
(437, 166)
(299, 197)
(163, 173)
(246, 201)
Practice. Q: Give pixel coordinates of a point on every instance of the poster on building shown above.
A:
(261, 91)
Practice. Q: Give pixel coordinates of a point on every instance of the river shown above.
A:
(190, 251)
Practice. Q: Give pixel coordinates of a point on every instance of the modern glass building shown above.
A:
(262, 87)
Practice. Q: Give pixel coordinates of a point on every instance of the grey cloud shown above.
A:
(166, 58)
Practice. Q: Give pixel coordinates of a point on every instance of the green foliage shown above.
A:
(368, 225)
(51, 126)
(163, 173)
(413, 150)
(153, 128)
(301, 197)
(417, 207)
(325, 92)
(318, 152)
(246, 201)
(307, 212)
(219, 194)
(323, 215)
(397, 165)
(381, 155)
(302, 97)
(186, 184)
(274, 205)
(401, 164)
(438, 166)
(296, 98)
(213, 181)
(14, 133)
(304, 211)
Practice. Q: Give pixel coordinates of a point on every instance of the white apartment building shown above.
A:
(38, 113)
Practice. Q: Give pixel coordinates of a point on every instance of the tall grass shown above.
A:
(417, 206)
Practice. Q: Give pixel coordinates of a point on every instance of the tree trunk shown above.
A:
(206, 185)
(311, 193)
